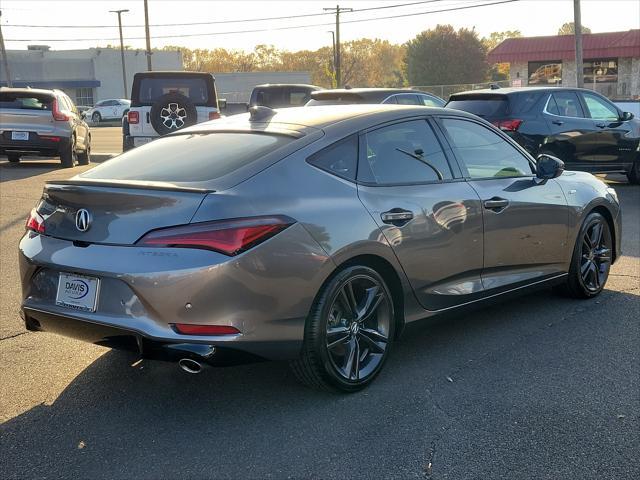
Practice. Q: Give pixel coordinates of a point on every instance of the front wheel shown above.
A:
(591, 259)
(96, 117)
(348, 333)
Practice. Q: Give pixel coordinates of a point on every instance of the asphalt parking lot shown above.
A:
(539, 387)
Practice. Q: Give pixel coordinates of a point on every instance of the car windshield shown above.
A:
(489, 106)
(188, 158)
(195, 88)
(26, 101)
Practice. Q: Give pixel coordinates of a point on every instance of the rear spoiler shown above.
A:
(144, 185)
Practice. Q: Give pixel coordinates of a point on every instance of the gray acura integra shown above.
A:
(308, 234)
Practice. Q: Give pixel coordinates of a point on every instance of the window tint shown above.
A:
(407, 99)
(189, 158)
(565, 104)
(399, 154)
(484, 152)
(391, 100)
(481, 105)
(599, 109)
(26, 101)
(340, 158)
(196, 89)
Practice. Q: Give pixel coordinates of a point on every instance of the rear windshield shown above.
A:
(483, 106)
(336, 99)
(277, 97)
(197, 89)
(189, 158)
(26, 101)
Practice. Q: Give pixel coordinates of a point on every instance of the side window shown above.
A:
(485, 153)
(340, 158)
(428, 101)
(407, 152)
(565, 104)
(391, 100)
(407, 99)
(298, 97)
(599, 109)
(100, 104)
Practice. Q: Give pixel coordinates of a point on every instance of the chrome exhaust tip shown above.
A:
(190, 366)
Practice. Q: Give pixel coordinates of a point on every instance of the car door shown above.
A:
(79, 126)
(431, 217)
(613, 143)
(573, 136)
(525, 220)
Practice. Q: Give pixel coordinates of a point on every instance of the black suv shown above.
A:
(579, 126)
(394, 96)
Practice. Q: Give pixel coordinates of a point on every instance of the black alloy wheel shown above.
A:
(348, 333)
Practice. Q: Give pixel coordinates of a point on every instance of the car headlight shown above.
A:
(612, 191)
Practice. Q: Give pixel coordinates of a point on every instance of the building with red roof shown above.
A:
(611, 61)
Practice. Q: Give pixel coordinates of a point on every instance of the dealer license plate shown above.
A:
(77, 292)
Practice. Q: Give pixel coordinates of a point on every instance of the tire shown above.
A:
(68, 157)
(634, 173)
(336, 334)
(13, 157)
(96, 117)
(591, 259)
(84, 158)
(172, 112)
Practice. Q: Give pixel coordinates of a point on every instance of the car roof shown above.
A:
(294, 85)
(40, 91)
(513, 90)
(356, 116)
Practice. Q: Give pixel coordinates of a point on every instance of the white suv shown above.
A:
(163, 102)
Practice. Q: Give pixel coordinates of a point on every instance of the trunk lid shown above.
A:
(118, 213)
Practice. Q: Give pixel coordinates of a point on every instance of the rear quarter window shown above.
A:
(189, 158)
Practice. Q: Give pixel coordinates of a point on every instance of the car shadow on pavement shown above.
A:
(29, 168)
(446, 382)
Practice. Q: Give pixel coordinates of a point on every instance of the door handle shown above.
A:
(396, 216)
(496, 204)
(600, 125)
(557, 122)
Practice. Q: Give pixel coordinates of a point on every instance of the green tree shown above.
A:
(569, 28)
(443, 56)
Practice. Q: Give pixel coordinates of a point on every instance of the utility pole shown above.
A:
(577, 24)
(5, 61)
(333, 46)
(338, 59)
(146, 31)
(124, 71)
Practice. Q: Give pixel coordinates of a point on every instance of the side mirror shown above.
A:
(626, 116)
(548, 166)
(222, 103)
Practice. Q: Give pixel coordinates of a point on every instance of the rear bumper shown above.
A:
(120, 338)
(34, 146)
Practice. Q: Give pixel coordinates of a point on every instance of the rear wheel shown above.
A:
(634, 173)
(591, 259)
(85, 157)
(348, 332)
(68, 156)
(13, 157)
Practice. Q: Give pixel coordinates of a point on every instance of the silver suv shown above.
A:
(44, 123)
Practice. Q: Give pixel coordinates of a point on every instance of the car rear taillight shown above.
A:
(508, 125)
(230, 237)
(191, 329)
(214, 115)
(51, 138)
(58, 114)
(35, 222)
(133, 117)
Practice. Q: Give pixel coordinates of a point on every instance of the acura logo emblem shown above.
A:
(83, 220)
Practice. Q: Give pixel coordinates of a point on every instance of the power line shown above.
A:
(217, 22)
(292, 27)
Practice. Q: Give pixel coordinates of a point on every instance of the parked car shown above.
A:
(110, 109)
(281, 95)
(44, 123)
(375, 95)
(581, 127)
(308, 234)
(165, 102)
